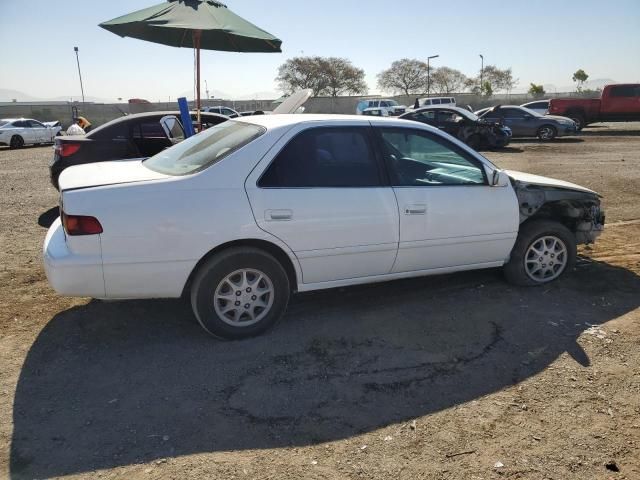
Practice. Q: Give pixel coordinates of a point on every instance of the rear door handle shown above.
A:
(278, 215)
(417, 209)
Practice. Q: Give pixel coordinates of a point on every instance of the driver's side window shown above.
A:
(418, 158)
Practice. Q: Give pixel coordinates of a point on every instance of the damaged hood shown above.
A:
(530, 179)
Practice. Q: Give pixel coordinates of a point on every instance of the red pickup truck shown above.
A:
(618, 103)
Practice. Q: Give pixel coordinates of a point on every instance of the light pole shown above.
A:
(75, 49)
(481, 72)
(429, 73)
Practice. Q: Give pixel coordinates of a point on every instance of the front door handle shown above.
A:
(417, 209)
(278, 215)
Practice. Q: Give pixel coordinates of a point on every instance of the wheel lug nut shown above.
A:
(249, 290)
(238, 293)
(247, 306)
(237, 304)
(254, 298)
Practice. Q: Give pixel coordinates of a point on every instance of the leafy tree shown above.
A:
(580, 76)
(499, 79)
(448, 80)
(536, 90)
(323, 75)
(407, 76)
(301, 73)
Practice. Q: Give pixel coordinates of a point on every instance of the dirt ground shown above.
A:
(453, 377)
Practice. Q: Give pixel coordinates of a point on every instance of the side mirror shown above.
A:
(499, 178)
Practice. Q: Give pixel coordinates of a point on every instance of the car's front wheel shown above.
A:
(239, 293)
(543, 251)
(547, 132)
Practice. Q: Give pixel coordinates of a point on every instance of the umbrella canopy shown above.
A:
(197, 24)
(174, 22)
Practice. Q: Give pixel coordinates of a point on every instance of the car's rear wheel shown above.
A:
(16, 142)
(547, 132)
(239, 293)
(543, 251)
(578, 118)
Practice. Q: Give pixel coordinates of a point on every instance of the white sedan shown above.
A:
(18, 132)
(241, 215)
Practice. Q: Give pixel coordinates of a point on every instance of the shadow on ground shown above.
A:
(605, 131)
(112, 384)
(555, 141)
(47, 218)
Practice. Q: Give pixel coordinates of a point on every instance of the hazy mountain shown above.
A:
(588, 85)
(7, 95)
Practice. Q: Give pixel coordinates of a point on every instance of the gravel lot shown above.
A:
(453, 377)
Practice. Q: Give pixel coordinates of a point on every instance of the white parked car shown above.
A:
(380, 107)
(17, 132)
(248, 211)
(427, 102)
(539, 106)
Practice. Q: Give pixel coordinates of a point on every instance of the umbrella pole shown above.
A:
(197, 35)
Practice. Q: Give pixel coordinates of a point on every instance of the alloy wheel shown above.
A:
(244, 297)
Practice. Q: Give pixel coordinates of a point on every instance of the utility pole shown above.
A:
(75, 49)
(481, 72)
(429, 73)
(206, 89)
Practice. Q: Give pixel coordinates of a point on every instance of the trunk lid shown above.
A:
(107, 173)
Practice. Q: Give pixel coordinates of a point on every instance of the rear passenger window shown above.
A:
(325, 157)
(148, 130)
(625, 91)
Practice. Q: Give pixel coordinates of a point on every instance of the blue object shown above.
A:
(186, 117)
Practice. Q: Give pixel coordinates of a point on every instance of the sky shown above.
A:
(543, 42)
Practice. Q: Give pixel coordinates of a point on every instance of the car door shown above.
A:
(322, 191)
(40, 132)
(450, 217)
(521, 123)
(25, 131)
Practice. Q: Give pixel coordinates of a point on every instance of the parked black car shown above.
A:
(527, 123)
(464, 125)
(134, 136)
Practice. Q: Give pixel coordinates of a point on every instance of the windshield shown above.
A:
(393, 103)
(4, 122)
(204, 149)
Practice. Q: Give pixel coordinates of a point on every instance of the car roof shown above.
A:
(135, 116)
(15, 119)
(442, 107)
(272, 122)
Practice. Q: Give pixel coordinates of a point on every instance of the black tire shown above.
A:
(579, 119)
(515, 270)
(211, 279)
(547, 132)
(16, 142)
(474, 141)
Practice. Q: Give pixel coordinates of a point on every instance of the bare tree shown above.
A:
(448, 80)
(407, 76)
(342, 77)
(323, 75)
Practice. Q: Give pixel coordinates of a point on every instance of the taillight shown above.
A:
(81, 225)
(65, 149)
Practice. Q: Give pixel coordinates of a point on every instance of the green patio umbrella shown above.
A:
(198, 24)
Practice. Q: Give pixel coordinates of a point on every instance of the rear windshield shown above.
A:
(204, 149)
